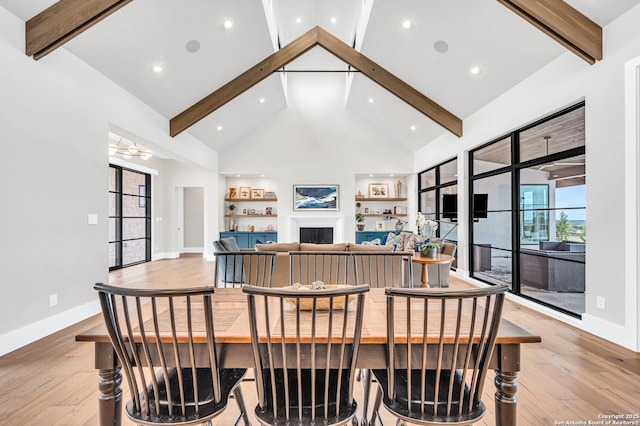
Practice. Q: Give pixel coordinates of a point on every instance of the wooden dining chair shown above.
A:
(330, 267)
(164, 341)
(305, 346)
(430, 383)
(380, 270)
(237, 268)
(383, 269)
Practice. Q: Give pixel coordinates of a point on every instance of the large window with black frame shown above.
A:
(528, 227)
(129, 217)
(438, 198)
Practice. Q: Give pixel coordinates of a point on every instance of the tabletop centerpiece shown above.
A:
(427, 229)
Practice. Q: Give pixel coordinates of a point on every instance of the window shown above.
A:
(532, 236)
(129, 217)
(438, 197)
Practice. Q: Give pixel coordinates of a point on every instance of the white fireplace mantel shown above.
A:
(319, 221)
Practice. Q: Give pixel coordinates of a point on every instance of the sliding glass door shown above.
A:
(129, 217)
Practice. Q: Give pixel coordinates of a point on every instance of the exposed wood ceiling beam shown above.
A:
(63, 21)
(314, 37)
(564, 24)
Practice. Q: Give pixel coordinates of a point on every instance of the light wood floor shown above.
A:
(570, 376)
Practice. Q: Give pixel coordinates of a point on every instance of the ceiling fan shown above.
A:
(556, 163)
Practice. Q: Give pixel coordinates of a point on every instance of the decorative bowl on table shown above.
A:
(322, 303)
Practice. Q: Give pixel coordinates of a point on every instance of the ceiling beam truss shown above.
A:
(563, 23)
(63, 21)
(314, 37)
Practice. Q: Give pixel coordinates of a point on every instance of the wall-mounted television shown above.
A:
(480, 205)
(450, 206)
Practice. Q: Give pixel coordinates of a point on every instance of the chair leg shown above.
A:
(237, 393)
(376, 407)
(366, 385)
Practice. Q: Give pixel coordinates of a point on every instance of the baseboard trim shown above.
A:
(193, 250)
(28, 334)
(166, 255)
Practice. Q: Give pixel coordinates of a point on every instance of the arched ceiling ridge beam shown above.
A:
(315, 36)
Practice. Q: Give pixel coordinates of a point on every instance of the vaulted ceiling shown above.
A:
(201, 45)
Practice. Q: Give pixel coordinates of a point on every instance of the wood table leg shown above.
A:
(506, 403)
(110, 398)
(423, 276)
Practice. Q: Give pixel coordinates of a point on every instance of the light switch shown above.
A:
(92, 219)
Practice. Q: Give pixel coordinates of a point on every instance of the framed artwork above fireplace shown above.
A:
(316, 197)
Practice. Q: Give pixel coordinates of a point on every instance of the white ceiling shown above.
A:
(126, 45)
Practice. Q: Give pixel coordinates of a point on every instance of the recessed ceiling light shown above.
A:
(261, 175)
(406, 24)
(261, 100)
(371, 175)
(391, 175)
(238, 175)
(219, 128)
(298, 20)
(333, 20)
(475, 70)
(228, 23)
(441, 46)
(371, 100)
(412, 128)
(157, 68)
(192, 46)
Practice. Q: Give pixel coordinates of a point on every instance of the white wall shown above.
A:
(194, 219)
(327, 144)
(564, 82)
(55, 115)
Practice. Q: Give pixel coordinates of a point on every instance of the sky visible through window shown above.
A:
(571, 197)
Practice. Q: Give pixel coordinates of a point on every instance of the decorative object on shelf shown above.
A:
(269, 228)
(270, 194)
(251, 228)
(359, 194)
(245, 192)
(366, 210)
(316, 197)
(232, 225)
(397, 210)
(252, 211)
(380, 225)
(378, 190)
(269, 210)
(397, 189)
(233, 192)
(130, 151)
(244, 211)
(257, 194)
(232, 207)
(359, 217)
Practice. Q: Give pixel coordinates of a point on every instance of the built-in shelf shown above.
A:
(380, 199)
(384, 214)
(240, 216)
(243, 200)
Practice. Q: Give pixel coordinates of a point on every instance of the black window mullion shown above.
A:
(515, 213)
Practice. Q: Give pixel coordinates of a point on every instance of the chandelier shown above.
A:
(128, 151)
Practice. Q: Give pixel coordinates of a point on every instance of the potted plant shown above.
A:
(359, 218)
(232, 207)
(429, 249)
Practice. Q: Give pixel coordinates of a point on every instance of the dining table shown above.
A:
(232, 336)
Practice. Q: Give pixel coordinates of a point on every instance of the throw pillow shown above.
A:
(411, 241)
(229, 244)
(396, 241)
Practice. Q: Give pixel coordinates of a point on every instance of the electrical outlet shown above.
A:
(600, 302)
(53, 300)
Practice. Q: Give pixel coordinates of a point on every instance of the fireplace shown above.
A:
(334, 222)
(318, 235)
